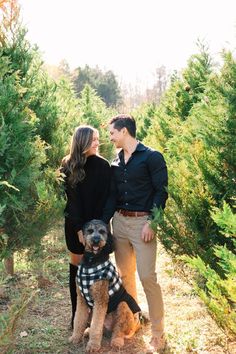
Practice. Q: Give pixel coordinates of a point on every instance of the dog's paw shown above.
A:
(117, 342)
(75, 339)
(92, 347)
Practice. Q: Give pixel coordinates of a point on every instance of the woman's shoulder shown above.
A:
(100, 160)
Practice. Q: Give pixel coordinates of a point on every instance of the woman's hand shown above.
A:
(81, 237)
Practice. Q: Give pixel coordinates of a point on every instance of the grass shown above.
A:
(43, 325)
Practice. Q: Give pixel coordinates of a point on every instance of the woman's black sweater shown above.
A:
(87, 199)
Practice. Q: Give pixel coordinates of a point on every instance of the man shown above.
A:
(139, 184)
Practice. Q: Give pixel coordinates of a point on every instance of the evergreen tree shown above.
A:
(33, 111)
(93, 111)
(194, 147)
(105, 84)
(22, 151)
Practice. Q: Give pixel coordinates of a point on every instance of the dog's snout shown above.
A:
(96, 239)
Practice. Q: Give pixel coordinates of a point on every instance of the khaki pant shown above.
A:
(132, 252)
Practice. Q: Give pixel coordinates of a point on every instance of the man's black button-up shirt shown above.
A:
(141, 183)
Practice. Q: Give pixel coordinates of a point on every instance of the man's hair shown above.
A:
(124, 121)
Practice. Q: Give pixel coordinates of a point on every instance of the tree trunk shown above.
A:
(9, 265)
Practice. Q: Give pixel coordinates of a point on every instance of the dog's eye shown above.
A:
(90, 231)
(102, 232)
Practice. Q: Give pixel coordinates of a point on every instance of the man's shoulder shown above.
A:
(153, 157)
(148, 150)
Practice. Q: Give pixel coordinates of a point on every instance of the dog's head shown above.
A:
(95, 234)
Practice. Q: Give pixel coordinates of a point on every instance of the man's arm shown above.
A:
(159, 178)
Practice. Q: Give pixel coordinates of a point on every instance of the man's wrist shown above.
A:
(149, 222)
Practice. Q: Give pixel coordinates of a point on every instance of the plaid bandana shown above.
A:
(88, 276)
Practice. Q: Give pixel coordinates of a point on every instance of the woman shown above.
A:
(87, 180)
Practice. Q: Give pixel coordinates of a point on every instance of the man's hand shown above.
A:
(147, 232)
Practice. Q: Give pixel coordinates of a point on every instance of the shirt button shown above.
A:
(126, 192)
(125, 181)
(126, 203)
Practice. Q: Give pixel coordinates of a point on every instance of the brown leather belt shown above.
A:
(132, 213)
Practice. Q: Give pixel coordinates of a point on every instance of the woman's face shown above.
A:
(93, 150)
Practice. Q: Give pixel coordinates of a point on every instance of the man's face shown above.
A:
(116, 136)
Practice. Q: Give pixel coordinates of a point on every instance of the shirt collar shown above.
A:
(139, 147)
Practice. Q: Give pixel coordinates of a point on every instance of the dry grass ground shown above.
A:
(44, 326)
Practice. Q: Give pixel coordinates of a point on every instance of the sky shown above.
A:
(130, 37)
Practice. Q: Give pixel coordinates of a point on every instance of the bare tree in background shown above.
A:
(154, 94)
(135, 95)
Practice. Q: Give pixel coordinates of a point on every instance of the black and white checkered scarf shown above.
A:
(86, 276)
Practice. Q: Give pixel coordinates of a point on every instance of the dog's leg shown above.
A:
(80, 320)
(109, 322)
(100, 296)
(124, 326)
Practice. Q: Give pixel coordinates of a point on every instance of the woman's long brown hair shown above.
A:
(74, 162)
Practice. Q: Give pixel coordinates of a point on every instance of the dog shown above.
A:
(101, 293)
